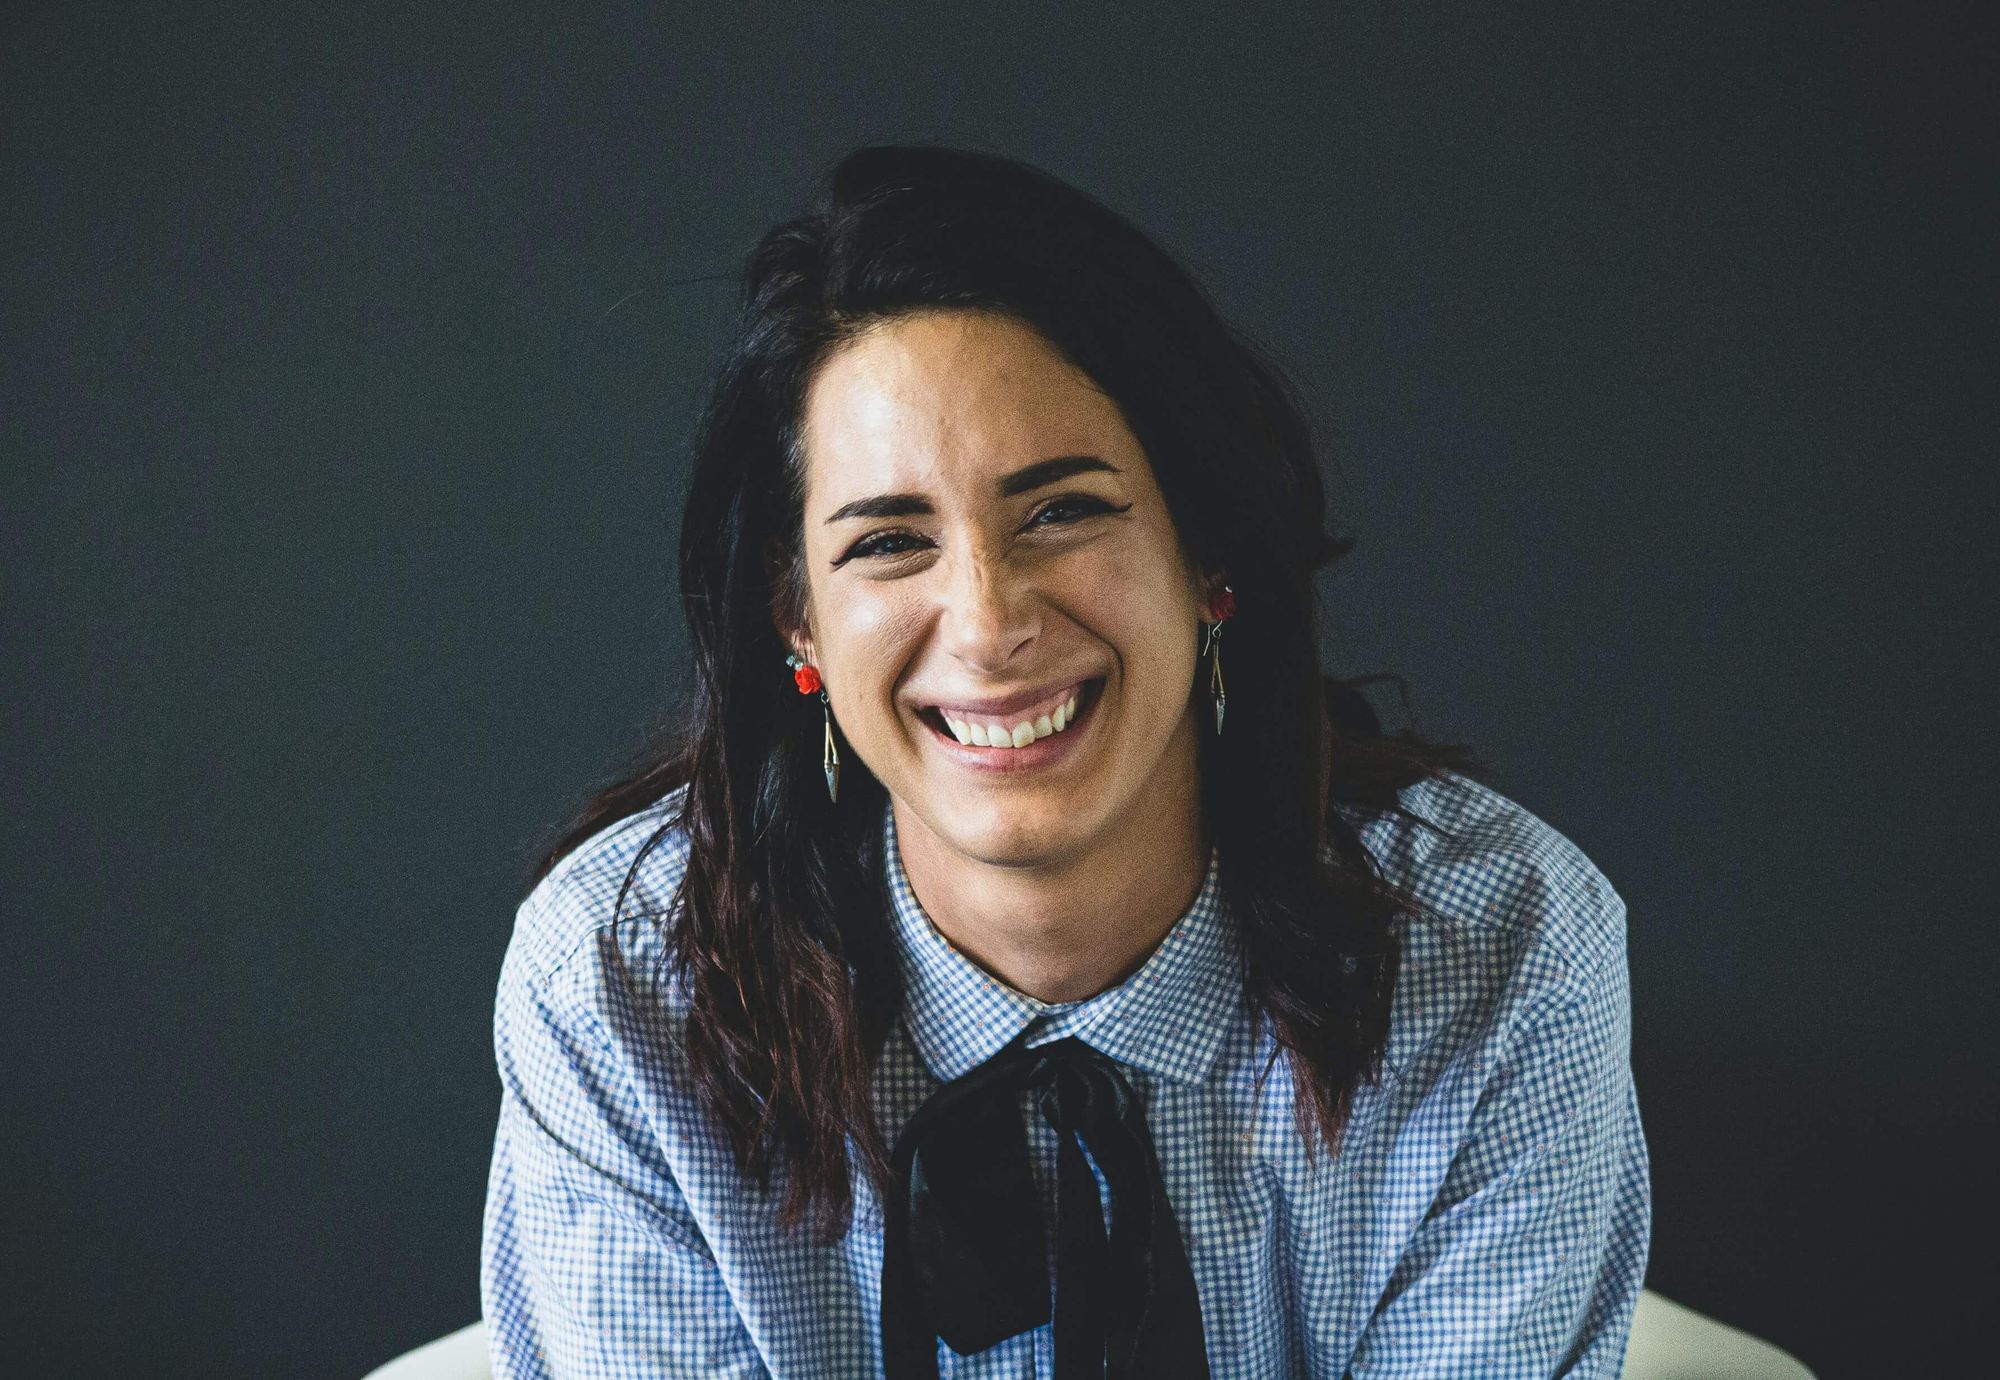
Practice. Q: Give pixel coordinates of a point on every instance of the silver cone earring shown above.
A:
(1215, 671)
(830, 759)
(806, 676)
(1219, 608)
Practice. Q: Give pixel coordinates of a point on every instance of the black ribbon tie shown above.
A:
(964, 1257)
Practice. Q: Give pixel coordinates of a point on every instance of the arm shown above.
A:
(592, 1265)
(1530, 1261)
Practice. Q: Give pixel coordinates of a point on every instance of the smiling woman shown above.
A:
(1003, 596)
(967, 1066)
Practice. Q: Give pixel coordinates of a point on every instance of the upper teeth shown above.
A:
(1019, 735)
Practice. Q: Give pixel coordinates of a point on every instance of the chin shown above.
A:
(1010, 833)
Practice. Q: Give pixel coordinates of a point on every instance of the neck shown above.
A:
(1073, 924)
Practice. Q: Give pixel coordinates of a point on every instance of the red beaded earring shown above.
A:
(1220, 607)
(806, 676)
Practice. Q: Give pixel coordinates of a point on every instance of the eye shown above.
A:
(878, 544)
(1071, 508)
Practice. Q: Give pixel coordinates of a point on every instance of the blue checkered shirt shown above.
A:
(1488, 1214)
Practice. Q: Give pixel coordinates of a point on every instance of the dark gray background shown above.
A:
(349, 359)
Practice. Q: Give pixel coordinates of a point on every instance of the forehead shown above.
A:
(946, 397)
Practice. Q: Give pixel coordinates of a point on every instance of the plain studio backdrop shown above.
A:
(349, 363)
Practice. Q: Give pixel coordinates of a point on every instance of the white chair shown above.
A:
(459, 1355)
(1669, 1342)
(1673, 1342)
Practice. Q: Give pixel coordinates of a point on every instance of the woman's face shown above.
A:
(985, 545)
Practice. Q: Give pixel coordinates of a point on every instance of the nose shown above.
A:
(990, 614)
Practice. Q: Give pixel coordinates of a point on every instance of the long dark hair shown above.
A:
(780, 930)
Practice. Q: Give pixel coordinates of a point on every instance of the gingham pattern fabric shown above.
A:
(1488, 1214)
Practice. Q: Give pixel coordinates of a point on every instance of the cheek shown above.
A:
(860, 620)
(864, 645)
(1136, 600)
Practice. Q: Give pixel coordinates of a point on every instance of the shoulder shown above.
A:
(1488, 864)
(613, 895)
(587, 1037)
(1518, 924)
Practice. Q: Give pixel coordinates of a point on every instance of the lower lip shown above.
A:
(1041, 753)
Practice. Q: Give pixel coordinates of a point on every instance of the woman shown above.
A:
(981, 983)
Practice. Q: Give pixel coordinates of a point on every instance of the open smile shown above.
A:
(1020, 741)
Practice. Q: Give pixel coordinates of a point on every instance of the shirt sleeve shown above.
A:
(591, 1264)
(1529, 1262)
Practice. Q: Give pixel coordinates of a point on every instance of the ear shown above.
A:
(1210, 585)
(798, 645)
(789, 618)
(790, 624)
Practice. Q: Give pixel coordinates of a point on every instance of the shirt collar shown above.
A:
(1167, 1018)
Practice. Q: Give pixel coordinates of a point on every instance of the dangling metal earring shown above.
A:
(1219, 608)
(806, 676)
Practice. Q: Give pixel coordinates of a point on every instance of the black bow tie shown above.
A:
(964, 1257)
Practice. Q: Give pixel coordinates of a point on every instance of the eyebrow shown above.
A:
(1029, 477)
